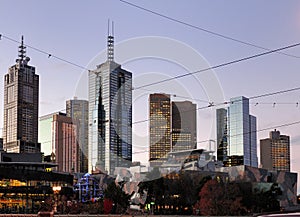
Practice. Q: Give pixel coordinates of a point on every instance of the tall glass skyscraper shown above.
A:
(21, 102)
(237, 145)
(110, 115)
(78, 111)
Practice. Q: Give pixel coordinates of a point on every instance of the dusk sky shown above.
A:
(76, 31)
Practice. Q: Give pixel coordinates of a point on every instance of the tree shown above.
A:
(219, 198)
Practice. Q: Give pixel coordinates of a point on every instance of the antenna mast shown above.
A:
(110, 43)
(22, 51)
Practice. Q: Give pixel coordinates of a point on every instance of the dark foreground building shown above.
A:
(25, 185)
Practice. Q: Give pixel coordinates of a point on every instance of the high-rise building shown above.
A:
(78, 111)
(160, 128)
(21, 100)
(275, 152)
(184, 126)
(173, 127)
(110, 115)
(64, 143)
(236, 134)
(58, 137)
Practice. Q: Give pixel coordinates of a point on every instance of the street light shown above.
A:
(56, 190)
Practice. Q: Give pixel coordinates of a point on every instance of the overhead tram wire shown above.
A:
(203, 29)
(245, 133)
(165, 80)
(219, 66)
(46, 53)
(211, 104)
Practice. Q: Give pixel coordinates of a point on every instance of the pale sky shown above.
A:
(77, 30)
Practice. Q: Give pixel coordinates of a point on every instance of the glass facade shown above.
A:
(110, 117)
(160, 128)
(21, 98)
(222, 144)
(45, 133)
(184, 126)
(241, 134)
(78, 111)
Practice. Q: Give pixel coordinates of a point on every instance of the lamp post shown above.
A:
(56, 190)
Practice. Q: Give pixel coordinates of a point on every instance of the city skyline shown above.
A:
(267, 74)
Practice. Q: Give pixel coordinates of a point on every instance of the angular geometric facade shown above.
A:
(287, 181)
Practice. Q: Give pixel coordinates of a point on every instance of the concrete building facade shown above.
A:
(275, 152)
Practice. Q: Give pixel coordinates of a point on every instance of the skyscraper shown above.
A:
(239, 134)
(172, 127)
(160, 128)
(110, 114)
(78, 111)
(21, 100)
(64, 143)
(275, 152)
(184, 126)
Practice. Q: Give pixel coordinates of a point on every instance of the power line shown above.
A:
(203, 29)
(218, 66)
(46, 53)
(168, 79)
(246, 133)
(212, 104)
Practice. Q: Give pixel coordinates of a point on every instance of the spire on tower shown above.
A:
(22, 51)
(110, 43)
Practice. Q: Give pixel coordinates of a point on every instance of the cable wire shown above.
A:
(202, 29)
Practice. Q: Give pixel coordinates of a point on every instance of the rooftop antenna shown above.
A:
(22, 51)
(110, 44)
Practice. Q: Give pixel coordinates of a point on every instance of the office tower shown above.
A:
(110, 115)
(78, 111)
(21, 100)
(241, 134)
(184, 126)
(64, 143)
(160, 128)
(275, 152)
